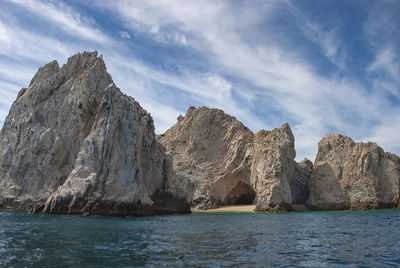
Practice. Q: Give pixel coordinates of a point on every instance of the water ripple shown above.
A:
(314, 239)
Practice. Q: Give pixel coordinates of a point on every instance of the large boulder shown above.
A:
(74, 143)
(350, 175)
(216, 160)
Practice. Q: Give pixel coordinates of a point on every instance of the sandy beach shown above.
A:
(236, 208)
(245, 208)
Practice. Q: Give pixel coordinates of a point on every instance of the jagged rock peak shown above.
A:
(350, 175)
(209, 115)
(45, 71)
(73, 143)
(217, 160)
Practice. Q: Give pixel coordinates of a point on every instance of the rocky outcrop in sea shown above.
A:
(350, 175)
(216, 160)
(74, 143)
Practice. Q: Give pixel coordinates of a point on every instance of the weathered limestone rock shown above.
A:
(73, 143)
(349, 175)
(272, 168)
(207, 148)
(299, 184)
(218, 161)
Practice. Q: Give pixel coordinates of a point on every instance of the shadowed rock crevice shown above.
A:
(241, 194)
(299, 186)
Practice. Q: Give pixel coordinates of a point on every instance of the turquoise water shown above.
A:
(308, 239)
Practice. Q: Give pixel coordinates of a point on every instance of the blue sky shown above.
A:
(323, 66)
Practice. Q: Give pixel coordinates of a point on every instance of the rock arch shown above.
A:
(241, 194)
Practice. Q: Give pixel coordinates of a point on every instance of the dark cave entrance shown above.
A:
(242, 194)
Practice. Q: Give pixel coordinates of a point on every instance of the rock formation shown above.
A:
(73, 143)
(218, 161)
(349, 175)
(272, 168)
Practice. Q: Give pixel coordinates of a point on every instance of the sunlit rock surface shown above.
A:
(218, 161)
(73, 143)
(350, 175)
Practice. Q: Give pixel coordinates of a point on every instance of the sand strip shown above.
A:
(246, 208)
(236, 208)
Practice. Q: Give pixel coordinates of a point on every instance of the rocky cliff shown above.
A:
(349, 175)
(73, 143)
(216, 161)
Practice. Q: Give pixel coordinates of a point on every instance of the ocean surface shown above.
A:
(300, 239)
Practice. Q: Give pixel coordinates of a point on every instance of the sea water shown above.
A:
(302, 239)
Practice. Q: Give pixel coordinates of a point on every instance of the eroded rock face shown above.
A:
(272, 168)
(218, 161)
(207, 148)
(73, 143)
(349, 175)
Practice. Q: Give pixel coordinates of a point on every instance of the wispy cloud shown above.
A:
(382, 34)
(223, 54)
(146, 83)
(324, 36)
(68, 19)
(125, 35)
(386, 68)
(287, 82)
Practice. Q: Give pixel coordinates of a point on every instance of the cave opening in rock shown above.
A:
(241, 194)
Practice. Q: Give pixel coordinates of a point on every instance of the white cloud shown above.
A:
(386, 64)
(324, 36)
(243, 72)
(67, 18)
(143, 83)
(23, 51)
(386, 133)
(383, 34)
(26, 47)
(124, 34)
(385, 60)
(142, 18)
(285, 80)
(4, 39)
(23, 76)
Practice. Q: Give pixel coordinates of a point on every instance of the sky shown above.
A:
(322, 66)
